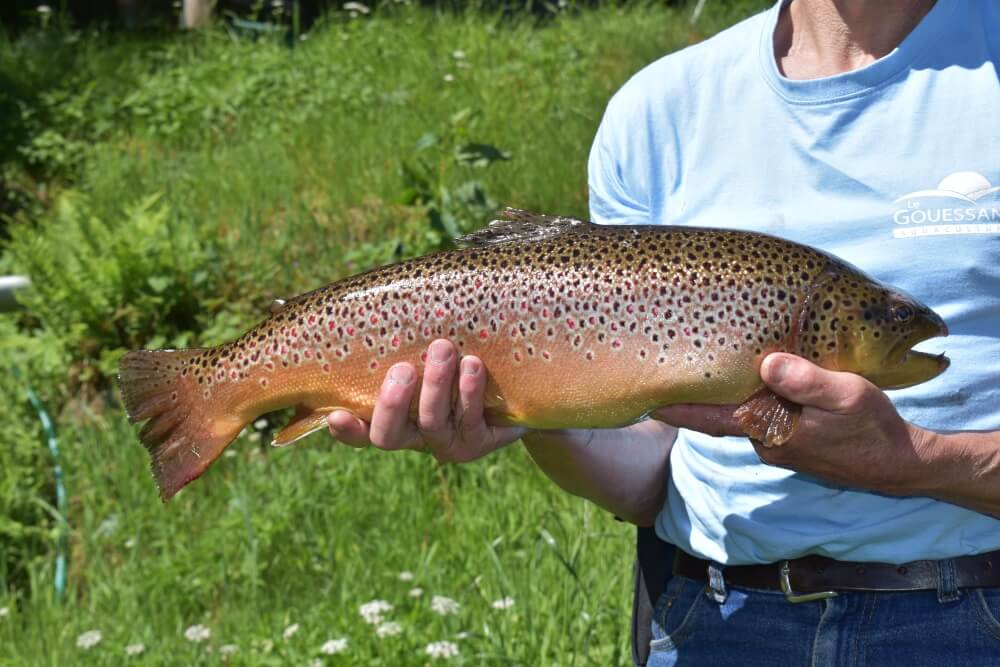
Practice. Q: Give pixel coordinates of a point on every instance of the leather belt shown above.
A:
(817, 577)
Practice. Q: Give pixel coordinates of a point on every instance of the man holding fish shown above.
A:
(826, 122)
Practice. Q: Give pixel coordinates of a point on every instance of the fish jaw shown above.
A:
(914, 368)
(906, 367)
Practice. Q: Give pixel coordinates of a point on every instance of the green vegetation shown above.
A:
(161, 190)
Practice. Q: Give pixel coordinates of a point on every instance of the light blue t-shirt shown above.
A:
(895, 168)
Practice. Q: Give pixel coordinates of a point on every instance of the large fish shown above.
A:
(579, 325)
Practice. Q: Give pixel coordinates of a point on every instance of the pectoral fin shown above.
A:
(768, 418)
(303, 422)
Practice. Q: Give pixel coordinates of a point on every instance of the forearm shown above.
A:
(961, 468)
(622, 470)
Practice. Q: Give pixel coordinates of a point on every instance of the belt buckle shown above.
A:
(791, 595)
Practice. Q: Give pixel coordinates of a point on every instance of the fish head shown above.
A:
(859, 325)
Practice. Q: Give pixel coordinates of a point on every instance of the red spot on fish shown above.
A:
(546, 355)
(331, 325)
(517, 356)
(339, 353)
(263, 382)
(395, 341)
(423, 356)
(312, 320)
(350, 331)
(616, 344)
(483, 334)
(326, 368)
(307, 354)
(479, 283)
(373, 319)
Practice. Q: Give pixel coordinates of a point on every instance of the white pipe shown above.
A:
(7, 286)
(697, 11)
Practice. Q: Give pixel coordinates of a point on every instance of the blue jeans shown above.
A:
(752, 628)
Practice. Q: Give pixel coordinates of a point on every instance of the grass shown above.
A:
(309, 534)
(165, 188)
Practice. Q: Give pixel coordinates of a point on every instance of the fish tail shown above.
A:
(186, 429)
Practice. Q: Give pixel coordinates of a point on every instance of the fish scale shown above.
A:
(579, 325)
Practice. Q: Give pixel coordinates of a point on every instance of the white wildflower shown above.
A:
(316, 662)
(390, 629)
(372, 611)
(463, 635)
(197, 633)
(89, 639)
(228, 649)
(503, 603)
(444, 606)
(135, 649)
(265, 645)
(448, 78)
(130, 543)
(260, 424)
(405, 575)
(4, 611)
(334, 646)
(254, 437)
(44, 9)
(415, 592)
(442, 650)
(356, 7)
(290, 631)
(458, 54)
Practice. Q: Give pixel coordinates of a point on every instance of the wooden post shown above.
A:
(197, 13)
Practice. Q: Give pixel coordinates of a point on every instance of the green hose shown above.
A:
(62, 543)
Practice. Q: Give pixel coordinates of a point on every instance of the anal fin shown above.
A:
(303, 422)
(768, 418)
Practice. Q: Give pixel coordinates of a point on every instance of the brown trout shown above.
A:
(579, 326)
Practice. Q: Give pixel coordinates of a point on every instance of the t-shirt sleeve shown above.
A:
(616, 190)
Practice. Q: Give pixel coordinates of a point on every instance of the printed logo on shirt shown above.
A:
(962, 203)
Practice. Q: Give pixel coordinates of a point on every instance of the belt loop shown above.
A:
(716, 589)
(947, 585)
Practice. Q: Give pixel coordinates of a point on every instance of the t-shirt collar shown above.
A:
(859, 81)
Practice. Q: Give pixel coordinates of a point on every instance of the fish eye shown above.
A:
(902, 313)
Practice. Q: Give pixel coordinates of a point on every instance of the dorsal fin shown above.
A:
(277, 306)
(518, 225)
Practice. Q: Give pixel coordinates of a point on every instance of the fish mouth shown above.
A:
(905, 367)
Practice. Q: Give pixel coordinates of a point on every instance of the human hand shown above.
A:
(450, 425)
(848, 433)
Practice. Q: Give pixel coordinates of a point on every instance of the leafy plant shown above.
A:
(104, 285)
(429, 178)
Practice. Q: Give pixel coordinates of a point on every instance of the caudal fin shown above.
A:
(184, 431)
